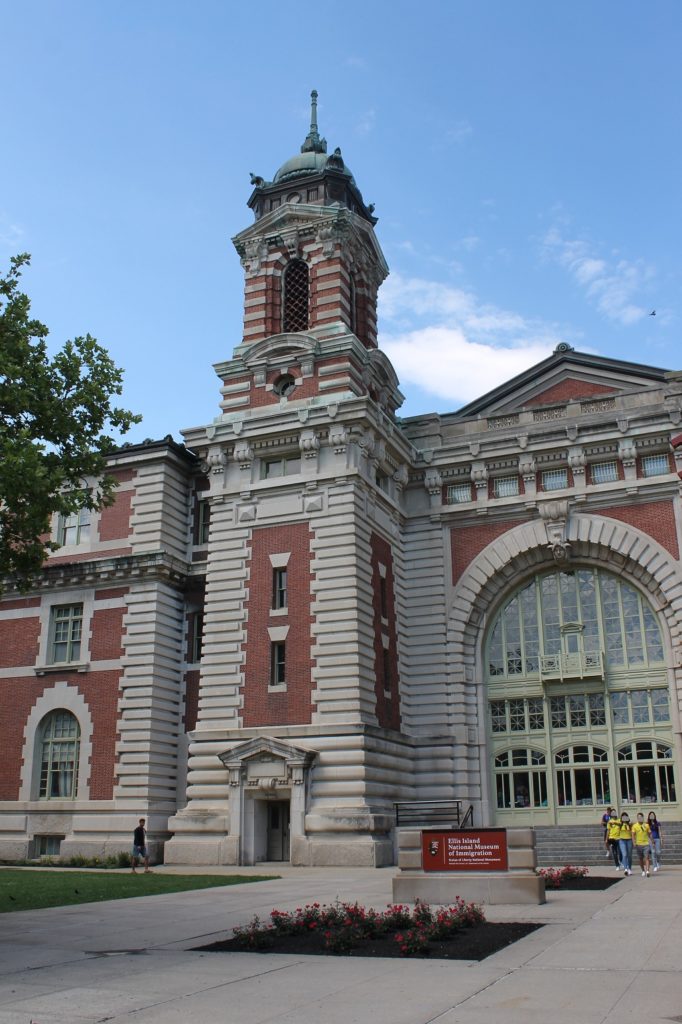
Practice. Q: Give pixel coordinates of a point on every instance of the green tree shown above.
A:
(55, 422)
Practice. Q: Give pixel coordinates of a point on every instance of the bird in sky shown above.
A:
(652, 313)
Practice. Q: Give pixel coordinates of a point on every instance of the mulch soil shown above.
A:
(590, 882)
(475, 942)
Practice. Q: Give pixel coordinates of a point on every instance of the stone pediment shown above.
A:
(280, 345)
(266, 751)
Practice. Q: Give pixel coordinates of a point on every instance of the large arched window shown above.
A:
(59, 755)
(296, 298)
(566, 620)
(646, 773)
(520, 779)
(582, 776)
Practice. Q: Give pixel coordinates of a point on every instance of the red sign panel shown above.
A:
(483, 849)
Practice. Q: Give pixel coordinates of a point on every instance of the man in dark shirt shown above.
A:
(140, 851)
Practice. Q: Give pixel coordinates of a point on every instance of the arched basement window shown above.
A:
(296, 297)
(60, 749)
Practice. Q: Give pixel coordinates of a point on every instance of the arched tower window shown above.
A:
(59, 755)
(296, 297)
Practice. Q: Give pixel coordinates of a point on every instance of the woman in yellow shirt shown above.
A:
(613, 837)
(641, 837)
(625, 843)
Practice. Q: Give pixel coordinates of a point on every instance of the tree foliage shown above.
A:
(56, 419)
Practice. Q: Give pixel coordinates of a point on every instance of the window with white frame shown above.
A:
(506, 486)
(203, 521)
(604, 472)
(279, 588)
(66, 629)
(655, 465)
(554, 479)
(278, 663)
(456, 494)
(59, 756)
(74, 528)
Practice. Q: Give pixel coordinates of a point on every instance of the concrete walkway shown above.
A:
(611, 956)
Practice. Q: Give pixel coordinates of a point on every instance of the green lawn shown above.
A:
(33, 888)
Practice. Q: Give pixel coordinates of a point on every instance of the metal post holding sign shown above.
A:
(483, 849)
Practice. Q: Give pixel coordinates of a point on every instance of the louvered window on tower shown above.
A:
(295, 297)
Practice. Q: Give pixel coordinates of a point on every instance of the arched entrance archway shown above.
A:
(558, 537)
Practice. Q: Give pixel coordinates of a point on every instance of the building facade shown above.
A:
(313, 609)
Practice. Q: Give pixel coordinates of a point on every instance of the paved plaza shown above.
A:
(611, 956)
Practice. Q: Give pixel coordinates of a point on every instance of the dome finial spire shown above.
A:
(313, 143)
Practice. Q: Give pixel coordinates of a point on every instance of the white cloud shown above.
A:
(365, 123)
(10, 235)
(449, 343)
(611, 285)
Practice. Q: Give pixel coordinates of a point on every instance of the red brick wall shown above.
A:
(114, 522)
(18, 695)
(19, 639)
(468, 541)
(107, 633)
(294, 706)
(656, 518)
(260, 396)
(568, 389)
(387, 708)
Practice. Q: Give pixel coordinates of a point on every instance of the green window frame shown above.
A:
(66, 630)
(59, 756)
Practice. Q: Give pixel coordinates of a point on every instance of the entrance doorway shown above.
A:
(278, 830)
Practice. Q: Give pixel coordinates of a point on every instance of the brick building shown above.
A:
(313, 609)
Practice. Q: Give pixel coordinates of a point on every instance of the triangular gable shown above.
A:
(565, 376)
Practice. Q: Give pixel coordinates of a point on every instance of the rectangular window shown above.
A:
(196, 637)
(639, 704)
(619, 708)
(505, 486)
(279, 588)
(576, 704)
(456, 494)
(66, 627)
(536, 714)
(597, 710)
(278, 663)
(604, 472)
(655, 465)
(517, 715)
(383, 597)
(554, 479)
(286, 465)
(46, 846)
(74, 528)
(203, 521)
(312, 195)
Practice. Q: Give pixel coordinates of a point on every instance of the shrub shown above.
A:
(397, 915)
(555, 877)
(253, 935)
(414, 940)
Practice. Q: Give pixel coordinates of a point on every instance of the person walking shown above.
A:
(605, 826)
(140, 851)
(625, 842)
(613, 833)
(655, 840)
(641, 833)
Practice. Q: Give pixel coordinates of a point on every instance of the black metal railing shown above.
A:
(422, 813)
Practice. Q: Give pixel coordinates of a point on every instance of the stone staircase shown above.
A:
(582, 844)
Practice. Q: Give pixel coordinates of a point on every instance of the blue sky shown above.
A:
(523, 155)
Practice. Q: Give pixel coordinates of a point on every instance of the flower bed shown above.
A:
(459, 932)
(571, 877)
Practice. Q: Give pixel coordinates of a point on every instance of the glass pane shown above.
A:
(646, 775)
(498, 716)
(539, 789)
(502, 760)
(536, 714)
(558, 712)
(661, 707)
(652, 634)
(602, 790)
(663, 751)
(517, 716)
(639, 702)
(627, 784)
(619, 708)
(521, 789)
(582, 754)
(597, 710)
(666, 781)
(503, 791)
(564, 788)
(519, 756)
(625, 753)
(608, 586)
(537, 757)
(562, 756)
(576, 705)
(599, 754)
(604, 472)
(582, 778)
(644, 752)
